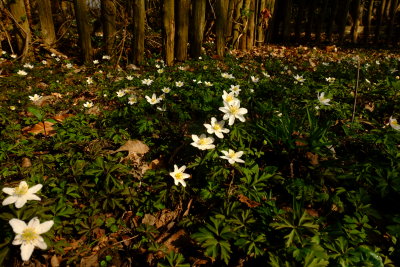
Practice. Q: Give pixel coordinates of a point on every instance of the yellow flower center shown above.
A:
(29, 235)
(179, 176)
(203, 141)
(216, 127)
(395, 123)
(234, 110)
(231, 154)
(229, 98)
(21, 190)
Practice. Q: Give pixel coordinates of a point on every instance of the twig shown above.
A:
(356, 90)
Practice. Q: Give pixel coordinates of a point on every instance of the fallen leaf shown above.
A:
(90, 261)
(134, 147)
(45, 128)
(313, 158)
(26, 162)
(55, 261)
(61, 117)
(250, 203)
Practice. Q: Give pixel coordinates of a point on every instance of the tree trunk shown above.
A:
(299, 20)
(23, 32)
(199, 20)
(236, 26)
(320, 20)
(311, 18)
(139, 15)
(329, 30)
(287, 9)
(222, 19)
(261, 24)
(82, 21)
(169, 31)
(273, 31)
(46, 22)
(357, 19)
(379, 20)
(229, 26)
(343, 20)
(245, 16)
(367, 28)
(392, 18)
(108, 14)
(251, 25)
(182, 29)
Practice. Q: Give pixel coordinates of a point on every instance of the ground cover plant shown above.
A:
(286, 157)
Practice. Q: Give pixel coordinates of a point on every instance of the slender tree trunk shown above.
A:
(343, 20)
(321, 20)
(260, 24)
(222, 19)
(108, 14)
(357, 19)
(251, 25)
(392, 18)
(46, 22)
(311, 18)
(229, 26)
(286, 19)
(23, 32)
(380, 12)
(299, 19)
(139, 15)
(169, 31)
(199, 20)
(82, 21)
(236, 26)
(243, 38)
(273, 31)
(329, 30)
(182, 29)
(367, 28)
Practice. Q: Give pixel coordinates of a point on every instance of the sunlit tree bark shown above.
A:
(199, 15)
(23, 32)
(169, 31)
(46, 22)
(139, 15)
(182, 29)
(222, 19)
(82, 21)
(108, 14)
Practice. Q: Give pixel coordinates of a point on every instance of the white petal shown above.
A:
(35, 188)
(241, 118)
(231, 120)
(239, 160)
(44, 227)
(219, 135)
(26, 251)
(242, 110)
(40, 244)
(23, 184)
(21, 201)
(34, 223)
(239, 154)
(18, 226)
(195, 137)
(17, 240)
(8, 190)
(183, 183)
(32, 197)
(182, 169)
(9, 200)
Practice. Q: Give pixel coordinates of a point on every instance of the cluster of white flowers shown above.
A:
(27, 235)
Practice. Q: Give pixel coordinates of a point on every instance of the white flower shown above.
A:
(323, 100)
(68, 66)
(233, 111)
(89, 80)
(3, 52)
(157, 66)
(57, 59)
(368, 81)
(53, 55)
(330, 79)
(208, 84)
(179, 175)
(106, 57)
(153, 100)
(129, 77)
(395, 125)
(13, 56)
(132, 100)
(232, 156)
(95, 61)
(22, 73)
(266, 75)
(28, 236)
(21, 194)
(88, 104)
(179, 84)
(35, 97)
(44, 62)
(12, 107)
(28, 66)
(229, 97)
(216, 128)
(183, 68)
(160, 71)
(227, 75)
(203, 142)
(254, 79)
(166, 90)
(299, 79)
(147, 81)
(236, 89)
(121, 93)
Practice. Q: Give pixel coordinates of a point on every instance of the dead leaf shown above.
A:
(136, 149)
(90, 261)
(313, 158)
(45, 128)
(149, 219)
(55, 261)
(61, 117)
(165, 217)
(173, 242)
(250, 203)
(370, 106)
(26, 163)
